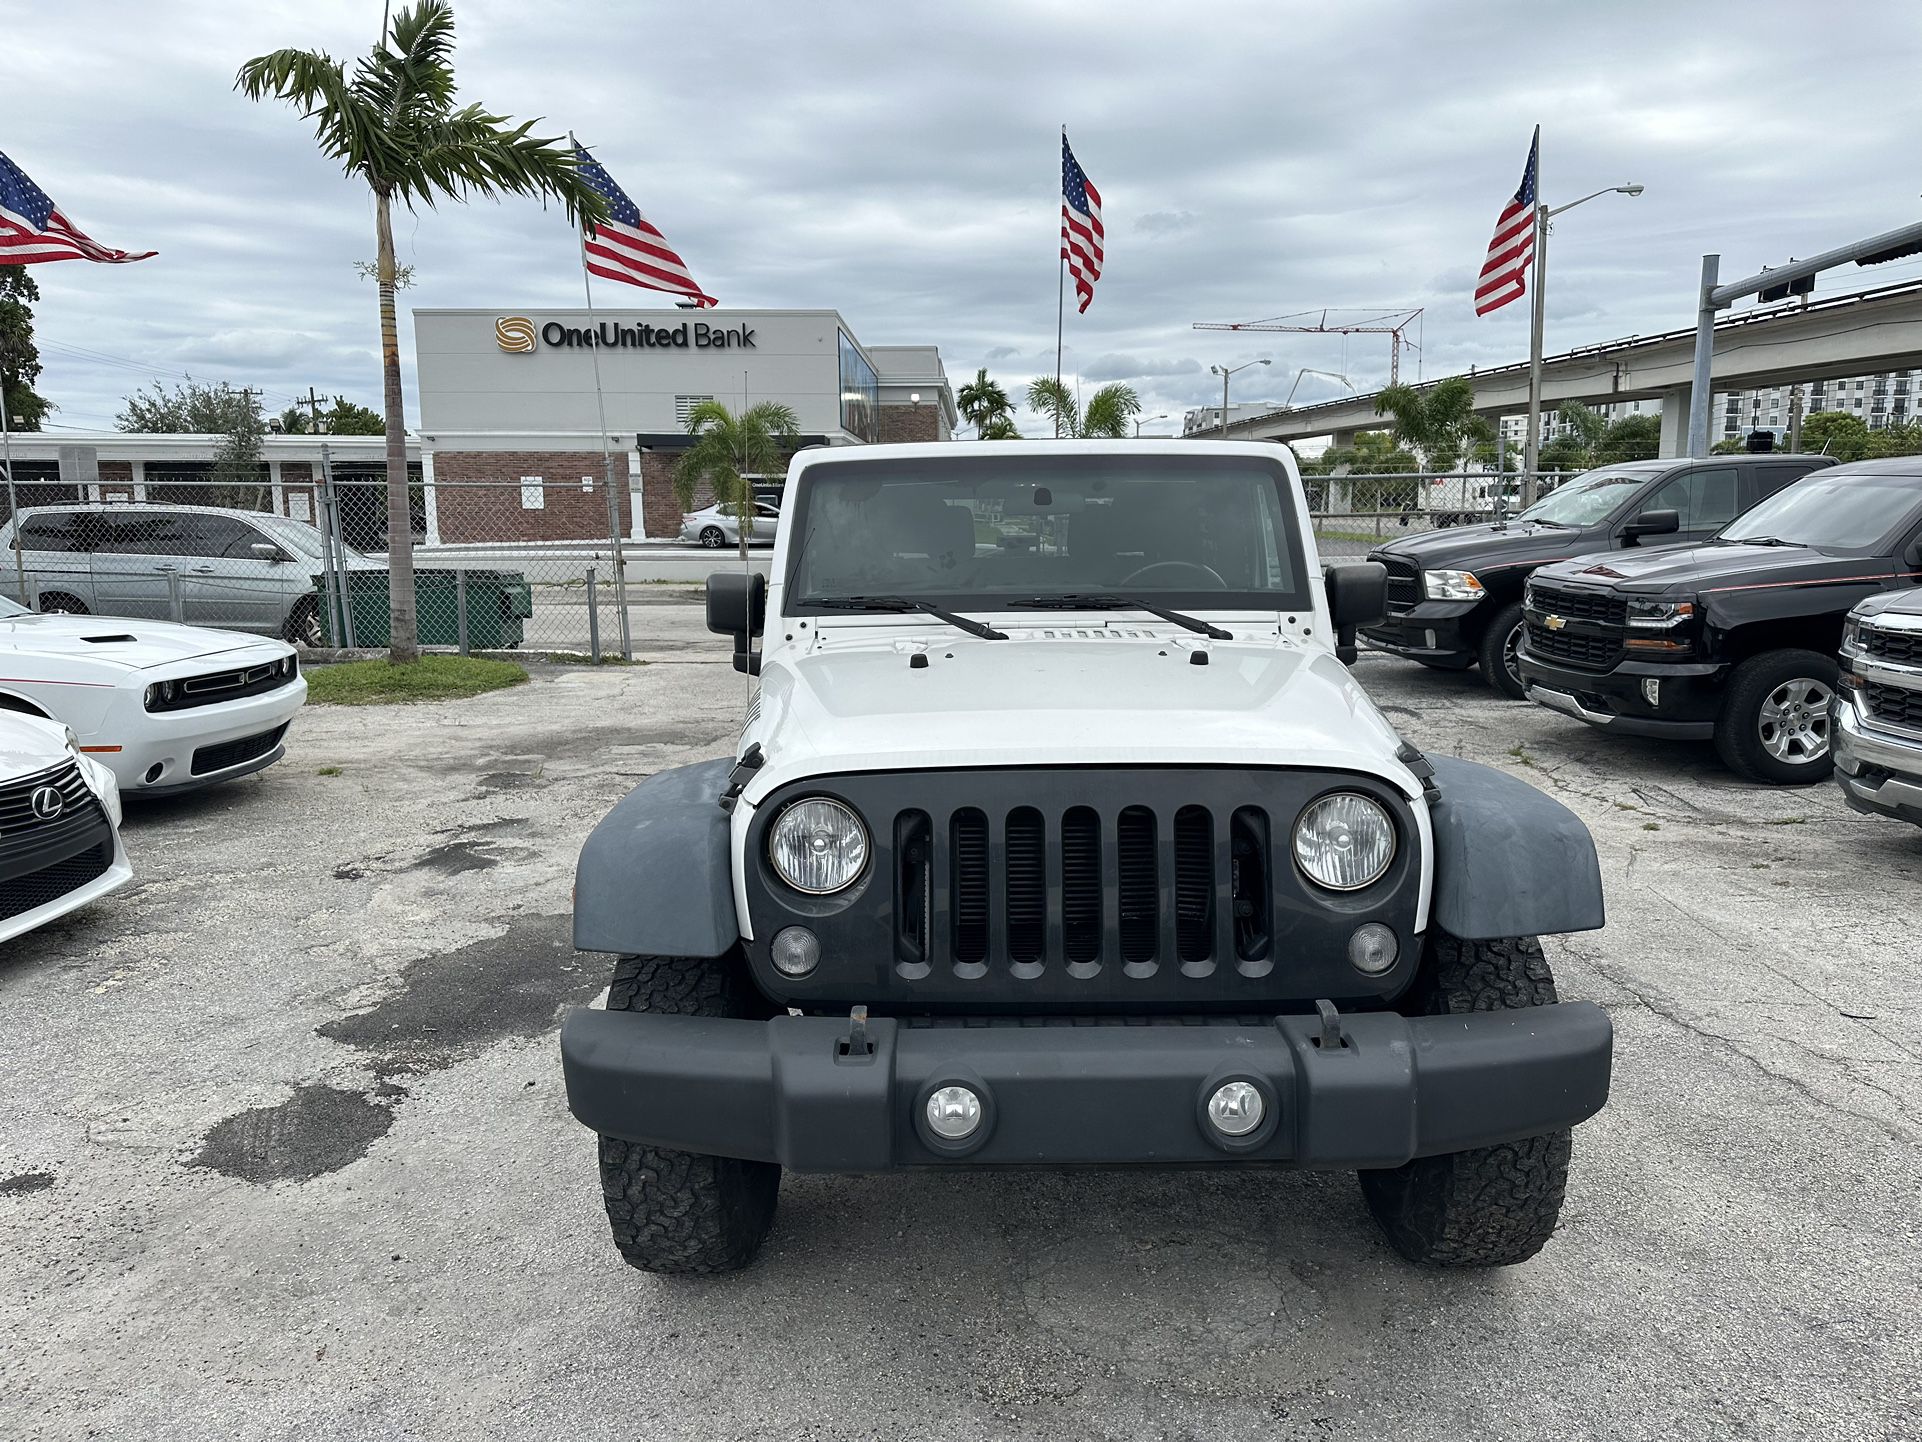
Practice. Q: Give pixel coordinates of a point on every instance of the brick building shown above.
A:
(511, 425)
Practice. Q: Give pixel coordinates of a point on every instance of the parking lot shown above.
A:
(284, 1150)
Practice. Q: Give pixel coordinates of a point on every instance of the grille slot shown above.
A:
(1603, 606)
(1027, 886)
(1585, 652)
(1081, 885)
(1902, 647)
(1895, 705)
(913, 888)
(970, 886)
(1137, 894)
(1194, 884)
(1250, 885)
(1404, 584)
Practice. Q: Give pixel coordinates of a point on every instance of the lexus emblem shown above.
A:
(1554, 623)
(48, 802)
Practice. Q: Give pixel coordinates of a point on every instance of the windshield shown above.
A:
(12, 608)
(986, 532)
(1587, 501)
(1834, 511)
(299, 535)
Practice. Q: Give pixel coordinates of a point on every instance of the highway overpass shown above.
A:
(1846, 335)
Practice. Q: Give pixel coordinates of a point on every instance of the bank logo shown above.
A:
(514, 333)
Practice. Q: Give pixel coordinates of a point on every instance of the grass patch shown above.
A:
(1520, 753)
(328, 771)
(583, 658)
(1651, 826)
(432, 678)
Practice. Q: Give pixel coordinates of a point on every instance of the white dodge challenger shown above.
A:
(165, 708)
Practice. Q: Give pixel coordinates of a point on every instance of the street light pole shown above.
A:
(1141, 421)
(1224, 373)
(1531, 450)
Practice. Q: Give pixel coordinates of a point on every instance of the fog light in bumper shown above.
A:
(1236, 1108)
(795, 952)
(1652, 690)
(1372, 949)
(954, 1113)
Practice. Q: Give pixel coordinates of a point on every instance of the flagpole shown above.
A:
(607, 450)
(1060, 295)
(1531, 452)
(13, 503)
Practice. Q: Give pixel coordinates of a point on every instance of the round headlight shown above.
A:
(1345, 842)
(818, 846)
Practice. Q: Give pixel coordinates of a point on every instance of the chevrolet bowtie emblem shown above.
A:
(1554, 623)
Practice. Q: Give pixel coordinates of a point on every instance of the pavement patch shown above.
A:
(25, 1182)
(317, 1130)
(456, 857)
(458, 1003)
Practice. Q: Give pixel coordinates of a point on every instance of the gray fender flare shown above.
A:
(1509, 861)
(655, 876)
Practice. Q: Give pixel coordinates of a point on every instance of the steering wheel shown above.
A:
(1215, 583)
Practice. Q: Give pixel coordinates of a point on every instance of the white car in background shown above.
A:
(718, 526)
(165, 708)
(59, 825)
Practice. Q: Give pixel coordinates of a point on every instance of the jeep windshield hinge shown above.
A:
(1424, 771)
(752, 760)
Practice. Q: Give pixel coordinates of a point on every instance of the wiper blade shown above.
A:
(1103, 601)
(902, 604)
(1544, 521)
(1762, 541)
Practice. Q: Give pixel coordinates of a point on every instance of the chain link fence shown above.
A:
(1354, 514)
(308, 562)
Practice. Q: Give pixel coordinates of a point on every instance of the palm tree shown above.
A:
(1001, 428)
(728, 450)
(395, 125)
(983, 403)
(1440, 421)
(1106, 417)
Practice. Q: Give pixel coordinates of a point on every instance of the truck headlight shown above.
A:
(1659, 615)
(818, 846)
(1851, 634)
(1451, 586)
(1345, 841)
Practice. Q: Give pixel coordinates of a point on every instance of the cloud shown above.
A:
(1162, 222)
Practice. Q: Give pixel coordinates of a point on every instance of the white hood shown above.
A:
(1057, 695)
(106, 638)
(29, 744)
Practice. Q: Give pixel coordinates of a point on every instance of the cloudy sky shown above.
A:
(899, 163)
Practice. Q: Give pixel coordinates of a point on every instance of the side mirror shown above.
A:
(737, 607)
(268, 551)
(1653, 523)
(1357, 596)
(1912, 554)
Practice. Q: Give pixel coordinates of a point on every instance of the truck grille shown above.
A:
(1404, 583)
(1572, 648)
(1572, 605)
(1895, 705)
(1080, 887)
(1902, 647)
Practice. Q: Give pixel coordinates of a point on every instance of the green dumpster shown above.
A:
(498, 602)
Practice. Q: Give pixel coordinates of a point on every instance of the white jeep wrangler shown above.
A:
(1060, 834)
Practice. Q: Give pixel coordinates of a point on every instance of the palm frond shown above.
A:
(470, 152)
(1109, 411)
(1054, 400)
(346, 126)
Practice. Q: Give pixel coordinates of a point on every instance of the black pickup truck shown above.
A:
(1734, 641)
(1455, 596)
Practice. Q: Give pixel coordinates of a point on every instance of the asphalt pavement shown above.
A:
(284, 1151)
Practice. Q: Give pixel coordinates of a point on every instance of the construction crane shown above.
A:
(1391, 323)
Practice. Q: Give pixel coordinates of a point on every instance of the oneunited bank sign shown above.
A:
(516, 334)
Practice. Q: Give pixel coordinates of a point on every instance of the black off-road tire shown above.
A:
(684, 1213)
(1489, 1206)
(1497, 652)
(1738, 737)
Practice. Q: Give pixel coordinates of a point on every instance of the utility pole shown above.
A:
(313, 405)
(1778, 284)
(1795, 418)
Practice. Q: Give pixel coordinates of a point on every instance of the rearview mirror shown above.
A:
(268, 551)
(1357, 596)
(1654, 523)
(737, 607)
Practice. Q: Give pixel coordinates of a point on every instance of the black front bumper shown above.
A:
(1691, 695)
(1429, 631)
(819, 1094)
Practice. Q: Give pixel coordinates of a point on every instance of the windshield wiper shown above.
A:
(1103, 601)
(901, 604)
(1544, 521)
(1761, 541)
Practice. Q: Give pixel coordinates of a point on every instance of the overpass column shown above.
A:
(1341, 440)
(1675, 409)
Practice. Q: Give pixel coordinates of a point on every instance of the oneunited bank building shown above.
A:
(515, 403)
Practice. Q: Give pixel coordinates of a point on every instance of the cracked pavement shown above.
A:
(284, 1152)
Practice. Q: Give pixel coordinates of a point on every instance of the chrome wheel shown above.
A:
(1793, 723)
(713, 537)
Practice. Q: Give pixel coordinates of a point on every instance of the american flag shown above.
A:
(627, 247)
(1081, 233)
(1513, 249)
(33, 230)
